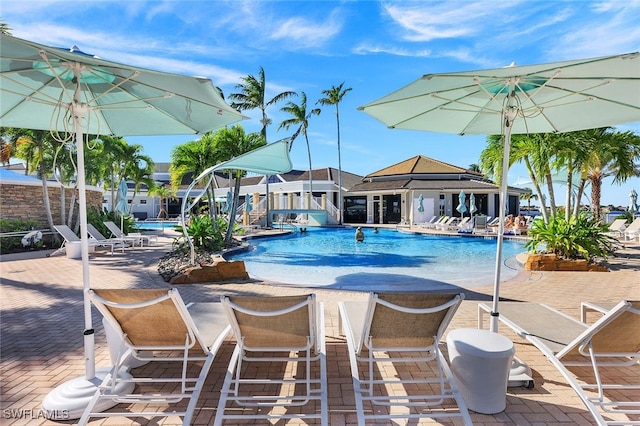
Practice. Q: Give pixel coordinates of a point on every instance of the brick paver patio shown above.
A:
(42, 321)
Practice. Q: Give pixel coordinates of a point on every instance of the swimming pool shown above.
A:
(385, 260)
(167, 224)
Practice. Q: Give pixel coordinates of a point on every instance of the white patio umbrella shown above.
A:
(472, 204)
(633, 201)
(462, 207)
(122, 207)
(74, 94)
(546, 98)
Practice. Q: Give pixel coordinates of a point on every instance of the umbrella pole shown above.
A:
(70, 399)
(509, 115)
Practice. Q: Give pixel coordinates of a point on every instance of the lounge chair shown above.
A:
(428, 223)
(392, 329)
(133, 237)
(480, 225)
(462, 225)
(616, 228)
(287, 333)
(612, 341)
(69, 237)
(155, 326)
(101, 240)
(633, 230)
(445, 224)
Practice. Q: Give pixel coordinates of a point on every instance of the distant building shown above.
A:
(392, 194)
(387, 196)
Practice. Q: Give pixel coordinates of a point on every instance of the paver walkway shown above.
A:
(41, 343)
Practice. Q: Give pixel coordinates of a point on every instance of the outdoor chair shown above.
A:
(133, 237)
(278, 368)
(612, 341)
(616, 228)
(388, 332)
(155, 326)
(480, 225)
(101, 240)
(69, 236)
(633, 230)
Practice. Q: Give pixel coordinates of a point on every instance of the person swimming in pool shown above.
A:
(359, 234)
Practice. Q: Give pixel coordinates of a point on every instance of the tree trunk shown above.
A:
(596, 188)
(567, 210)
(576, 207)
(552, 198)
(310, 168)
(538, 190)
(45, 194)
(232, 210)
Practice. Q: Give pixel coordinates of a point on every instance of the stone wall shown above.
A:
(24, 201)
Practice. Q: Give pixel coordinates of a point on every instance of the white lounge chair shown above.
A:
(286, 332)
(616, 228)
(612, 341)
(633, 230)
(69, 237)
(99, 239)
(133, 237)
(480, 225)
(392, 329)
(155, 326)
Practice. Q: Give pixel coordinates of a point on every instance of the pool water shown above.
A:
(385, 260)
(167, 224)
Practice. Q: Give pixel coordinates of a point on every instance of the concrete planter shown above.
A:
(551, 262)
(220, 270)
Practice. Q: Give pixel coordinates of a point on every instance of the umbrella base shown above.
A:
(520, 375)
(69, 400)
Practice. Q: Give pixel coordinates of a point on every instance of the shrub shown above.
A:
(11, 244)
(583, 237)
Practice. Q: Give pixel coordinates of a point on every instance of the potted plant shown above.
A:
(573, 244)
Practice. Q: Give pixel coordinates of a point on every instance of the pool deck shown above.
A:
(41, 343)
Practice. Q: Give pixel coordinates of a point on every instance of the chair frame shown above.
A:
(312, 351)
(98, 239)
(69, 236)
(365, 388)
(168, 348)
(134, 238)
(583, 347)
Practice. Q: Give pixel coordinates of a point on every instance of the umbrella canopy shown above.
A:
(122, 207)
(472, 204)
(462, 207)
(633, 201)
(72, 94)
(545, 98)
(39, 87)
(247, 203)
(421, 203)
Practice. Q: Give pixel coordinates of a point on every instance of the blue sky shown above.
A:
(374, 47)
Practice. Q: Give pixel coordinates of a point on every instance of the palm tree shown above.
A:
(230, 143)
(164, 193)
(300, 116)
(252, 95)
(610, 153)
(37, 143)
(334, 96)
(5, 28)
(141, 172)
(194, 157)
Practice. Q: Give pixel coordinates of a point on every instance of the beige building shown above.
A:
(395, 194)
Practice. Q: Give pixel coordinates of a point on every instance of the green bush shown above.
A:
(203, 233)
(583, 237)
(98, 217)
